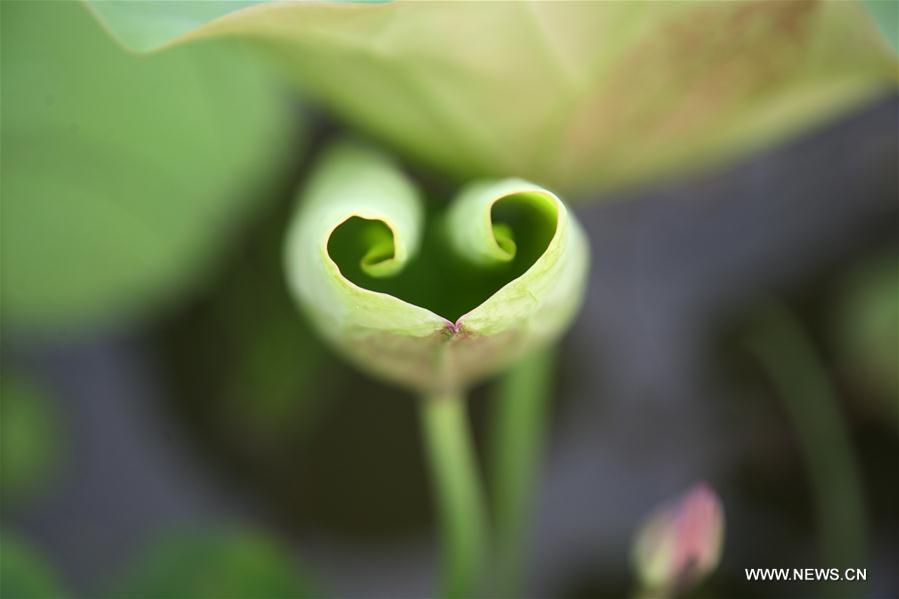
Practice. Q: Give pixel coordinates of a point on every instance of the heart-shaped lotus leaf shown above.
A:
(578, 96)
(437, 301)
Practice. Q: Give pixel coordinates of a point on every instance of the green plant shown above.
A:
(502, 275)
(151, 162)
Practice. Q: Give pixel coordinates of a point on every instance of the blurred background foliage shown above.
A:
(124, 176)
(23, 573)
(30, 436)
(214, 564)
(864, 324)
(156, 375)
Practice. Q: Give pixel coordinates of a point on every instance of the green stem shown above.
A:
(519, 423)
(793, 367)
(458, 492)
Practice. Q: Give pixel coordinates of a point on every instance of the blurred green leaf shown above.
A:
(577, 96)
(886, 14)
(866, 332)
(242, 353)
(147, 25)
(273, 387)
(793, 366)
(29, 435)
(23, 573)
(235, 565)
(123, 176)
(500, 273)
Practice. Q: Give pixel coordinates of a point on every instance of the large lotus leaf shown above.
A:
(435, 301)
(122, 175)
(578, 96)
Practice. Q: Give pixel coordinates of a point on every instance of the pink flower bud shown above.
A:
(680, 543)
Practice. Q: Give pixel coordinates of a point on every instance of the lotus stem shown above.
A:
(519, 424)
(457, 491)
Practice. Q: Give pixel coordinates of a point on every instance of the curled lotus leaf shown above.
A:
(431, 300)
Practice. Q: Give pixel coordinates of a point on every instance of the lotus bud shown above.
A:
(433, 304)
(680, 543)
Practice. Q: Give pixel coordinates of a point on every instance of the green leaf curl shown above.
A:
(357, 205)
